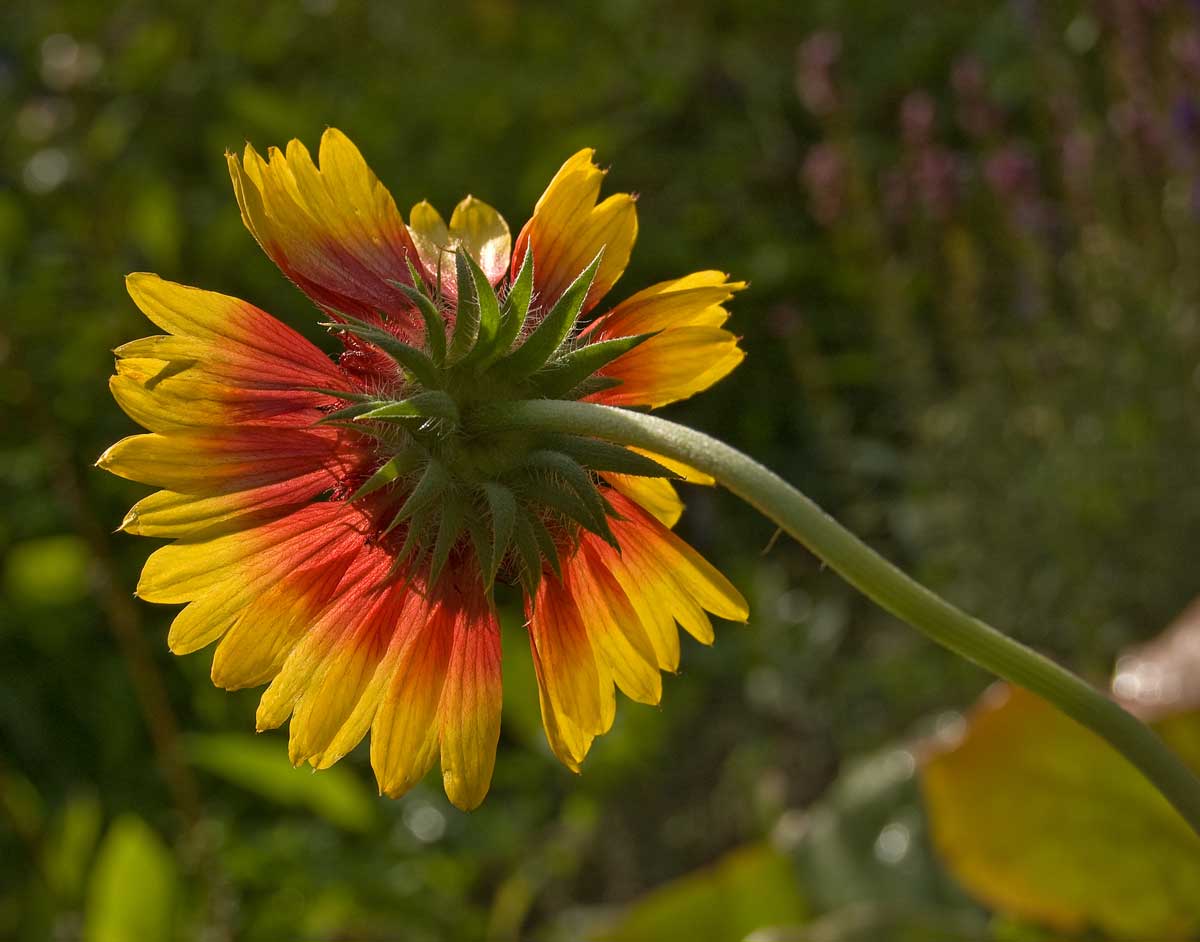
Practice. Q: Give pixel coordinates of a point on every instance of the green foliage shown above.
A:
(966, 337)
(47, 571)
(261, 766)
(132, 889)
(750, 889)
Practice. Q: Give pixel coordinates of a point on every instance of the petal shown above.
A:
(688, 473)
(172, 378)
(650, 605)
(334, 230)
(333, 630)
(174, 514)
(616, 632)
(482, 231)
(431, 236)
(574, 710)
(264, 634)
(670, 366)
(342, 680)
(164, 398)
(469, 713)
(221, 594)
(215, 461)
(695, 300)
(404, 734)
(690, 351)
(695, 575)
(475, 227)
(397, 621)
(568, 229)
(235, 327)
(655, 495)
(190, 567)
(665, 580)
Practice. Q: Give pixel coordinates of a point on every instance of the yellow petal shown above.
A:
(469, 713)
(699, 579)
(688, 473)
(406, 611)
(173, 514)
(573, 706)
(189, 567)
(695, 300)
(431, 236)
(568, 229)
(334, 230)
(652, 613)
(264, 634)
(655, 495)
(404, 734)
(614, 628)
(671, 366)
(335, 688)
(483, 233)
(475, 227)
(219, 461)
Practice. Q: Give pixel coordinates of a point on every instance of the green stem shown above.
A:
(876, 578)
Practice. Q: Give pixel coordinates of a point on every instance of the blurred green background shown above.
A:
(972, 333)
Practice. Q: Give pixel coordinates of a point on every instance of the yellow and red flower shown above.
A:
(339, 525)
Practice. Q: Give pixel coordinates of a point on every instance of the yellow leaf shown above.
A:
(1039, 818)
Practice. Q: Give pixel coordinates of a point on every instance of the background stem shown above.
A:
(878, 579)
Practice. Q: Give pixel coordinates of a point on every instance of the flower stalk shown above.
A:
(878, 579)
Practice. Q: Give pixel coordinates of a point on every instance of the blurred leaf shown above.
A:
(69, 851)
(261, 766)
(51, 570)
(866, 840)
(22, 803)
(131, 894)
(1039, 818)
(866, 922)
(154, 223)
(751, 888)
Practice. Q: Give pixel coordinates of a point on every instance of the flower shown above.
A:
(339, 526)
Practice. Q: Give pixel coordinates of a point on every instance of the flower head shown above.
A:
(339, 526)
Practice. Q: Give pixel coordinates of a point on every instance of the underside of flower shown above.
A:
(340, 524)
(451, 480)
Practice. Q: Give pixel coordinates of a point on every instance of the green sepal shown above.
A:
(450, 527)
(515, 310)
(560, 376)
(415, 276)
(432, 404)
(545, 541)
(598, 455)
(466, 315)
(435, 323)
(489, 314)
(429, 487)
(528, 549)
(569, 489)
(396, 467)
(591, 386)
(481, 539)
(548, 336)
(409, 358)
(338, 393)
(347, 413)
(414, 540)
(502, 508)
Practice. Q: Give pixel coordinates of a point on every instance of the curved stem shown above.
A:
(876, 578)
